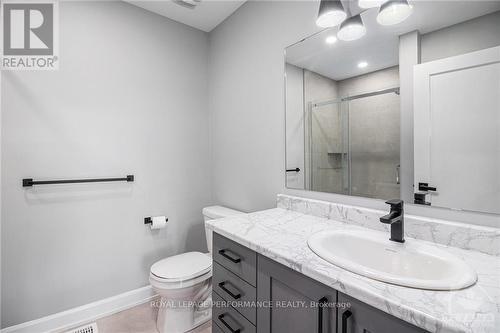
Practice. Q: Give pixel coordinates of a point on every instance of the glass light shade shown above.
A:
(331, 13)
(351, 29)
(394, 12)
(370, 3)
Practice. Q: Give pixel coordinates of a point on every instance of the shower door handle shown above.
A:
(398, 167)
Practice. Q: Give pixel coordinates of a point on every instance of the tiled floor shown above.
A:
(139, 319)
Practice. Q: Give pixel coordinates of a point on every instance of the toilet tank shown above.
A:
(213, 213)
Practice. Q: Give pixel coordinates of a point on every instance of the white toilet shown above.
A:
(184, 284)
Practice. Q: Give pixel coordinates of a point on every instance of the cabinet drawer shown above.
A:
(215, 328)
(233, 289)
(236, 258)
(228, 319)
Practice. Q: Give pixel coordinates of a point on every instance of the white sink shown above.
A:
(410, 264)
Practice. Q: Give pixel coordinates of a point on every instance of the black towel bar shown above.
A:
(28, 182)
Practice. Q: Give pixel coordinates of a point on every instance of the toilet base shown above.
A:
(185, 302)
(182, 316)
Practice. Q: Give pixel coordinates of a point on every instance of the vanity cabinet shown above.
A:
(299, 304)
(253, 293)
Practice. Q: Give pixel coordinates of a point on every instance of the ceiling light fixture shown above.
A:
(331, 13)
(362, 64)
(331, 40)
(351, 29)
(370, 3)
(394, 12)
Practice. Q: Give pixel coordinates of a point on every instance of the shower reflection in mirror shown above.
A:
(397, 113)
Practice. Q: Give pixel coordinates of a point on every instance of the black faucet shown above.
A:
(396, 219)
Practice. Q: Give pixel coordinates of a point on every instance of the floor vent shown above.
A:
(89, 328)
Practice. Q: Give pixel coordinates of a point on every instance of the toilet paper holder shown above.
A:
(149, 220)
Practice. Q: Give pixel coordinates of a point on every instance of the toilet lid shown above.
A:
(182, 266)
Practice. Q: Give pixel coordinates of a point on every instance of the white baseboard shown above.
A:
(83, 314)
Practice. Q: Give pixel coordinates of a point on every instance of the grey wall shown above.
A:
(131, 109)
(247, 109)
(409, 56)
(295, 126)
(247, 99)
(129, 97)
(465, 37)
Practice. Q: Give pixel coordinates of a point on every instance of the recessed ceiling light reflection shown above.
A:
(331, 40)
(362, 64)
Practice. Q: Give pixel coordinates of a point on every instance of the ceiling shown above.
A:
(205, 16)
(379, 47)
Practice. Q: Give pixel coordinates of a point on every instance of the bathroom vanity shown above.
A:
(300, 304)
(359, 119)
(263, 258)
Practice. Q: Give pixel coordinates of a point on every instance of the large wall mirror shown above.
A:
(410, 110)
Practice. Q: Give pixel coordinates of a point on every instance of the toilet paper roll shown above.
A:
(158, 222)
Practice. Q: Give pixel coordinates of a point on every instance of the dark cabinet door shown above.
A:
(359, 317)
(289, 302)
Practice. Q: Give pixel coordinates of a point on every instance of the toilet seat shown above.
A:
(165, 284)
(181, 271)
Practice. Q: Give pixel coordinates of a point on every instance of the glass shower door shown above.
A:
(328, 148)
(374, 132)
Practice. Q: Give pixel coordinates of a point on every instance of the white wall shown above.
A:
(247, 109)
(129, 97)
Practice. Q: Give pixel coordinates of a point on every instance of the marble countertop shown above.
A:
(282, 235)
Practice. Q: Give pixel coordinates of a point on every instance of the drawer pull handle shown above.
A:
(221, 318)
(345, 316)
(224, 254)
(222, 286)
(322, 303)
